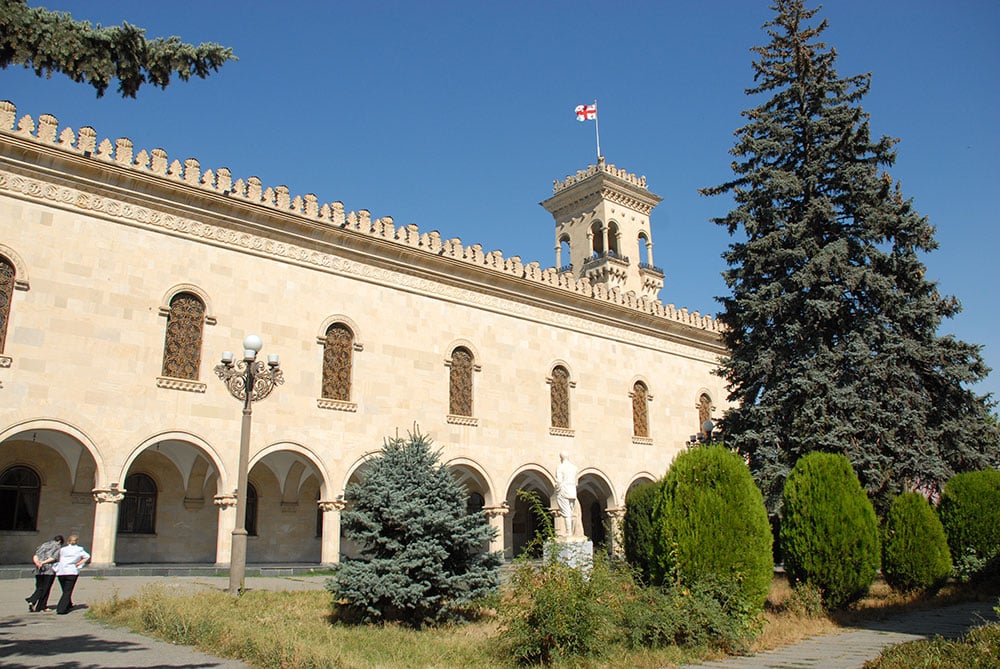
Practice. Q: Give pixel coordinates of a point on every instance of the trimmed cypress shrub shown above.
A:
(711, 523)
(914, 548)
(829, 532)
(970, 512)
(638, 532)
(421, 557)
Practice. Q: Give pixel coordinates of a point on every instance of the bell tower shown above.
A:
(602, 225)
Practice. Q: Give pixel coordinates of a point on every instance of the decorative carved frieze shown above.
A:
(468, 421)
(337, 405)
(180, 384)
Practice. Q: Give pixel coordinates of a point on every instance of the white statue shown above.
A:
(566, 491)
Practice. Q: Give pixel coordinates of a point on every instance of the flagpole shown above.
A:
(597, 129)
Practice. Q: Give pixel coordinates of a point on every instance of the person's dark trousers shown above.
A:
(67, 583)
(39, 599)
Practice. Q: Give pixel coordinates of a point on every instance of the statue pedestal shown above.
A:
(575, 552)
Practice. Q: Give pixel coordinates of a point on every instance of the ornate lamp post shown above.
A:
(249, 380)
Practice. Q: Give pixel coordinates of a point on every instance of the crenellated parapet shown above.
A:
(600, 168)
(189, 173)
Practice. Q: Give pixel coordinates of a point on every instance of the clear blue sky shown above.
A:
(457, 116)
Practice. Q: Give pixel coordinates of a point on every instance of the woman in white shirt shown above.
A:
(71, 560)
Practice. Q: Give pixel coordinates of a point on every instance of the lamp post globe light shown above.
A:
(248, 380)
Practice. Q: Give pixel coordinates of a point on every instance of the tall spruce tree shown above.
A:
(422, 553)
(832, 326)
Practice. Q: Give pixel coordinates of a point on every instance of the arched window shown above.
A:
(137, 513)
(250, 523)
(613, 239)
(704, 412)
(460, 382)
(564, 257)
(597, 238)
(182, 343)
(559, 396)
(337, 354)
(6, 295)
(645, 251)
(475, 503)
(20, 489)
(640, 410)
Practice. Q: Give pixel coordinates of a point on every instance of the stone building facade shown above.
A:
(124, 275)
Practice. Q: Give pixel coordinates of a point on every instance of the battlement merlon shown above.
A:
(601, 179)
(600, 167)
(155, 163)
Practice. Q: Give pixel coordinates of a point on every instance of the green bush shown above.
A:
(829, 532)
(711, 523)
(707, 614)
(551, 612)
(970, 512)
(914, 548)
(638, 530)
(421, 551)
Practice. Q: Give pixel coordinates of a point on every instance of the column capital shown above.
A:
(110, 495)
(331, 504)
(225, 501)
(495, 511)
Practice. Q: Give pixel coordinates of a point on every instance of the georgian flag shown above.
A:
(586, 112)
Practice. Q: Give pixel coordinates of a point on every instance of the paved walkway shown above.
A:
(851, 648)
(73, 641)
(76, 642)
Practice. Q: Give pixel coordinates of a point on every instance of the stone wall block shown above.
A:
(8, 112)
(253, 189)
(67, 138)
(123, 151)
(281, 198)
(175, 171)
(47, 126)
(192, 171)
(159, 161)
(224, 180)
(26, 126)
(337, 213)
(208, 180)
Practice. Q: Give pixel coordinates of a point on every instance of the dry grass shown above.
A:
(293, 629)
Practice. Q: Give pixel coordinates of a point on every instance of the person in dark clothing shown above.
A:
(44, 558)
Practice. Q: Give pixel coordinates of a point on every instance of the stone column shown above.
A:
(330, 548)
(496, 515)
(224, 534)
(102, 551)
(615, 514)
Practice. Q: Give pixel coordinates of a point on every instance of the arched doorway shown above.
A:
(523, 524)
(287, 484)
(595, 497)
(167, 514)
(48, 480)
